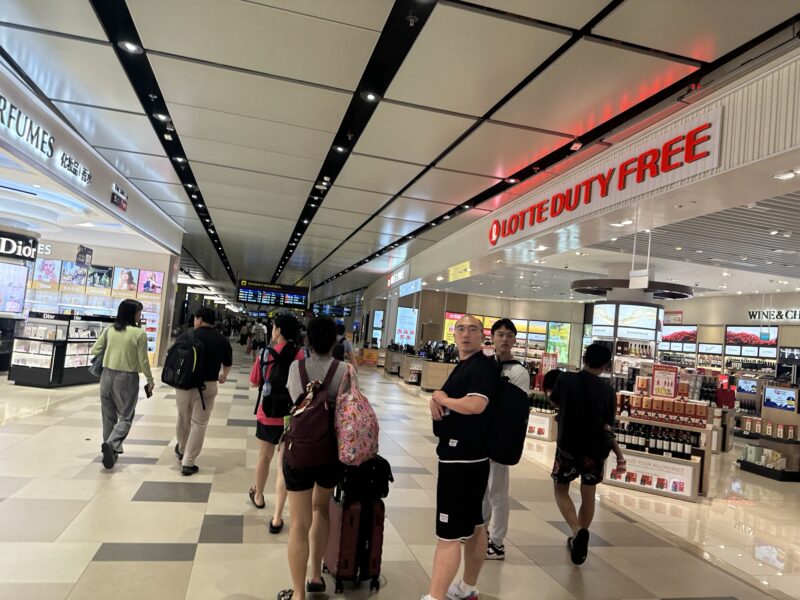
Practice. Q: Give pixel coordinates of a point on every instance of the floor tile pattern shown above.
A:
(143, 530)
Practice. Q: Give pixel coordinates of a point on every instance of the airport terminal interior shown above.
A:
(621, 176)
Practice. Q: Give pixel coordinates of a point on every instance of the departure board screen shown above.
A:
(271, 294)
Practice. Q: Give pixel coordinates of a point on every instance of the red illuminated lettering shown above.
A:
(587, 189)
(625, 170)
(532, 214)
(504, 231)
(513, 224)
(541, 210)
(605, 181)
(694, 139)
(572, 200)
(557, 204)
(668, 150)
(647, 161)
(522, 218)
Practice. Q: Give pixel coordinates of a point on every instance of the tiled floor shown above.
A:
(69, 529)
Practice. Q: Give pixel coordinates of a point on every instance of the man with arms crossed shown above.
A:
(495, 504)
(587, 412)
(461, 423)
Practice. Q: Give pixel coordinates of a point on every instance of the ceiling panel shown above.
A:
(112, 128)
(270, 228)
(448, 187)
(218, 153)
(410, 134)
(142, 166)
(370, 237)
(702, 30)
(177, 209)
(552, 101)
(415, 210)
(394, 227)
(370, 15)
(570, 13)
(84, 72)
(249, 179)
(318, 243)
(458, 223)
(162, 191)
(359, 250)
(339, 218)
(499, 150)
(326, 231)
(268, 40)
(498, 201)
(466, 61)
(249, 200)
(74, 17)
(354, 200)
(192, 84)
(207, 124)
(377, 175)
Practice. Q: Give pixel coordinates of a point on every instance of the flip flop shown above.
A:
(275, 529)
(580, 547)
(285, 595)
(253, 498)
(315, 587)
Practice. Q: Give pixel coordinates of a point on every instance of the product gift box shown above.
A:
(683, 389)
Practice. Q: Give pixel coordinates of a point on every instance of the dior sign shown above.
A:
(18, 246)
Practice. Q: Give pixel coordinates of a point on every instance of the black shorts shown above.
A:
(567, 468)
(304, 478)
(269, 433)
(460, 488)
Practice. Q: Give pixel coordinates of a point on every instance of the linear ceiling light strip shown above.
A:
(118, 24)
(405, 21)
(593, 136)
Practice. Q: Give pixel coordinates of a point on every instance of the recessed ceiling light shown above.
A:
(319, 186)
(576, 145)
(774, 232)
(678, 248)
(439, 278)
(161, 117)
(179, 159)
(698, 251)
(739, 292)
(370, 96)
(626, 222)
(313, 205)
(340, 149)
(614, 239)
(784, 175)
(37, 186)
(511, 180)
(130, 47)
(446, 217)
(540, 248)
(305, 221)
(424, 283)
(522, 276)
(501, 291)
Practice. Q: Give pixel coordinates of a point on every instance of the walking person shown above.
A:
(243, 331)
(271, 371)
(195, 405)
(310, 487)
(587, 413)
(124, 349)
(461, 423)
(258, 334)
(343, 349)
(495, 503)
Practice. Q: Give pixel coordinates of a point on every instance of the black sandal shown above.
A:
(285, 595)
(253, 498)
(275, 529)
(313, 587)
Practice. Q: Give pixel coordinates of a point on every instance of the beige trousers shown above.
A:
(193, 420)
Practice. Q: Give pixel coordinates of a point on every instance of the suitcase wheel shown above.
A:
(325, 568)
(339, 589)
(375, 584)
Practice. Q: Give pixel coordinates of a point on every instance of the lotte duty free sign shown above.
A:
(658, 160)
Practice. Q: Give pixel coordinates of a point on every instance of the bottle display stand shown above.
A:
(661, 475)
(542, 426)
(434, 374)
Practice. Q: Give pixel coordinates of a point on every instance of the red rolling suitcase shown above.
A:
(355, 542)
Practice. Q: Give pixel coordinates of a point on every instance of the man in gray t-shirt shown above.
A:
(495, 503)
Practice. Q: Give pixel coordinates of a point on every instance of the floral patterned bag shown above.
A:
(356, 424)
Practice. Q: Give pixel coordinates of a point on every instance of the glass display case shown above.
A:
(54, 350)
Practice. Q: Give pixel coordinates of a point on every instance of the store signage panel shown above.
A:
(673, 317)
(15, 245)
(84, 256)
(450, 326)
(397, 277)
(634, 333)
(412, 287)
(539, 426)
(655, 474)
(605, 331)
(788, 314)
(604, 314)
(30, 130)
(677, 153)
(405, 331)
(665, 381)
(709, 348)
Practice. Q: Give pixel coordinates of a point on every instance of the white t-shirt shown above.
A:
(518, 375)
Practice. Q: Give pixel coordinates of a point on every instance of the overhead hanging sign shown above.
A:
(397, 276)
(412, 287)
(671, 156)
(788, 314)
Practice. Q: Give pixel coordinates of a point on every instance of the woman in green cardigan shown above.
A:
(124, 348)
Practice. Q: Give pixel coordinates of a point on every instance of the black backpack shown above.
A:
(509, 412)
(277, 403)
(183, 367)
(338, 348)
(368, 481)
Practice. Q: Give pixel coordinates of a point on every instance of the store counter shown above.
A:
(434, 374)
(392, 362)
(410, 368)
(368, 357)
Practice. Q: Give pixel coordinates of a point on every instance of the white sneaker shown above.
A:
(455, 593)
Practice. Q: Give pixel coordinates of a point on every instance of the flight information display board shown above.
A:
(271, 294)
